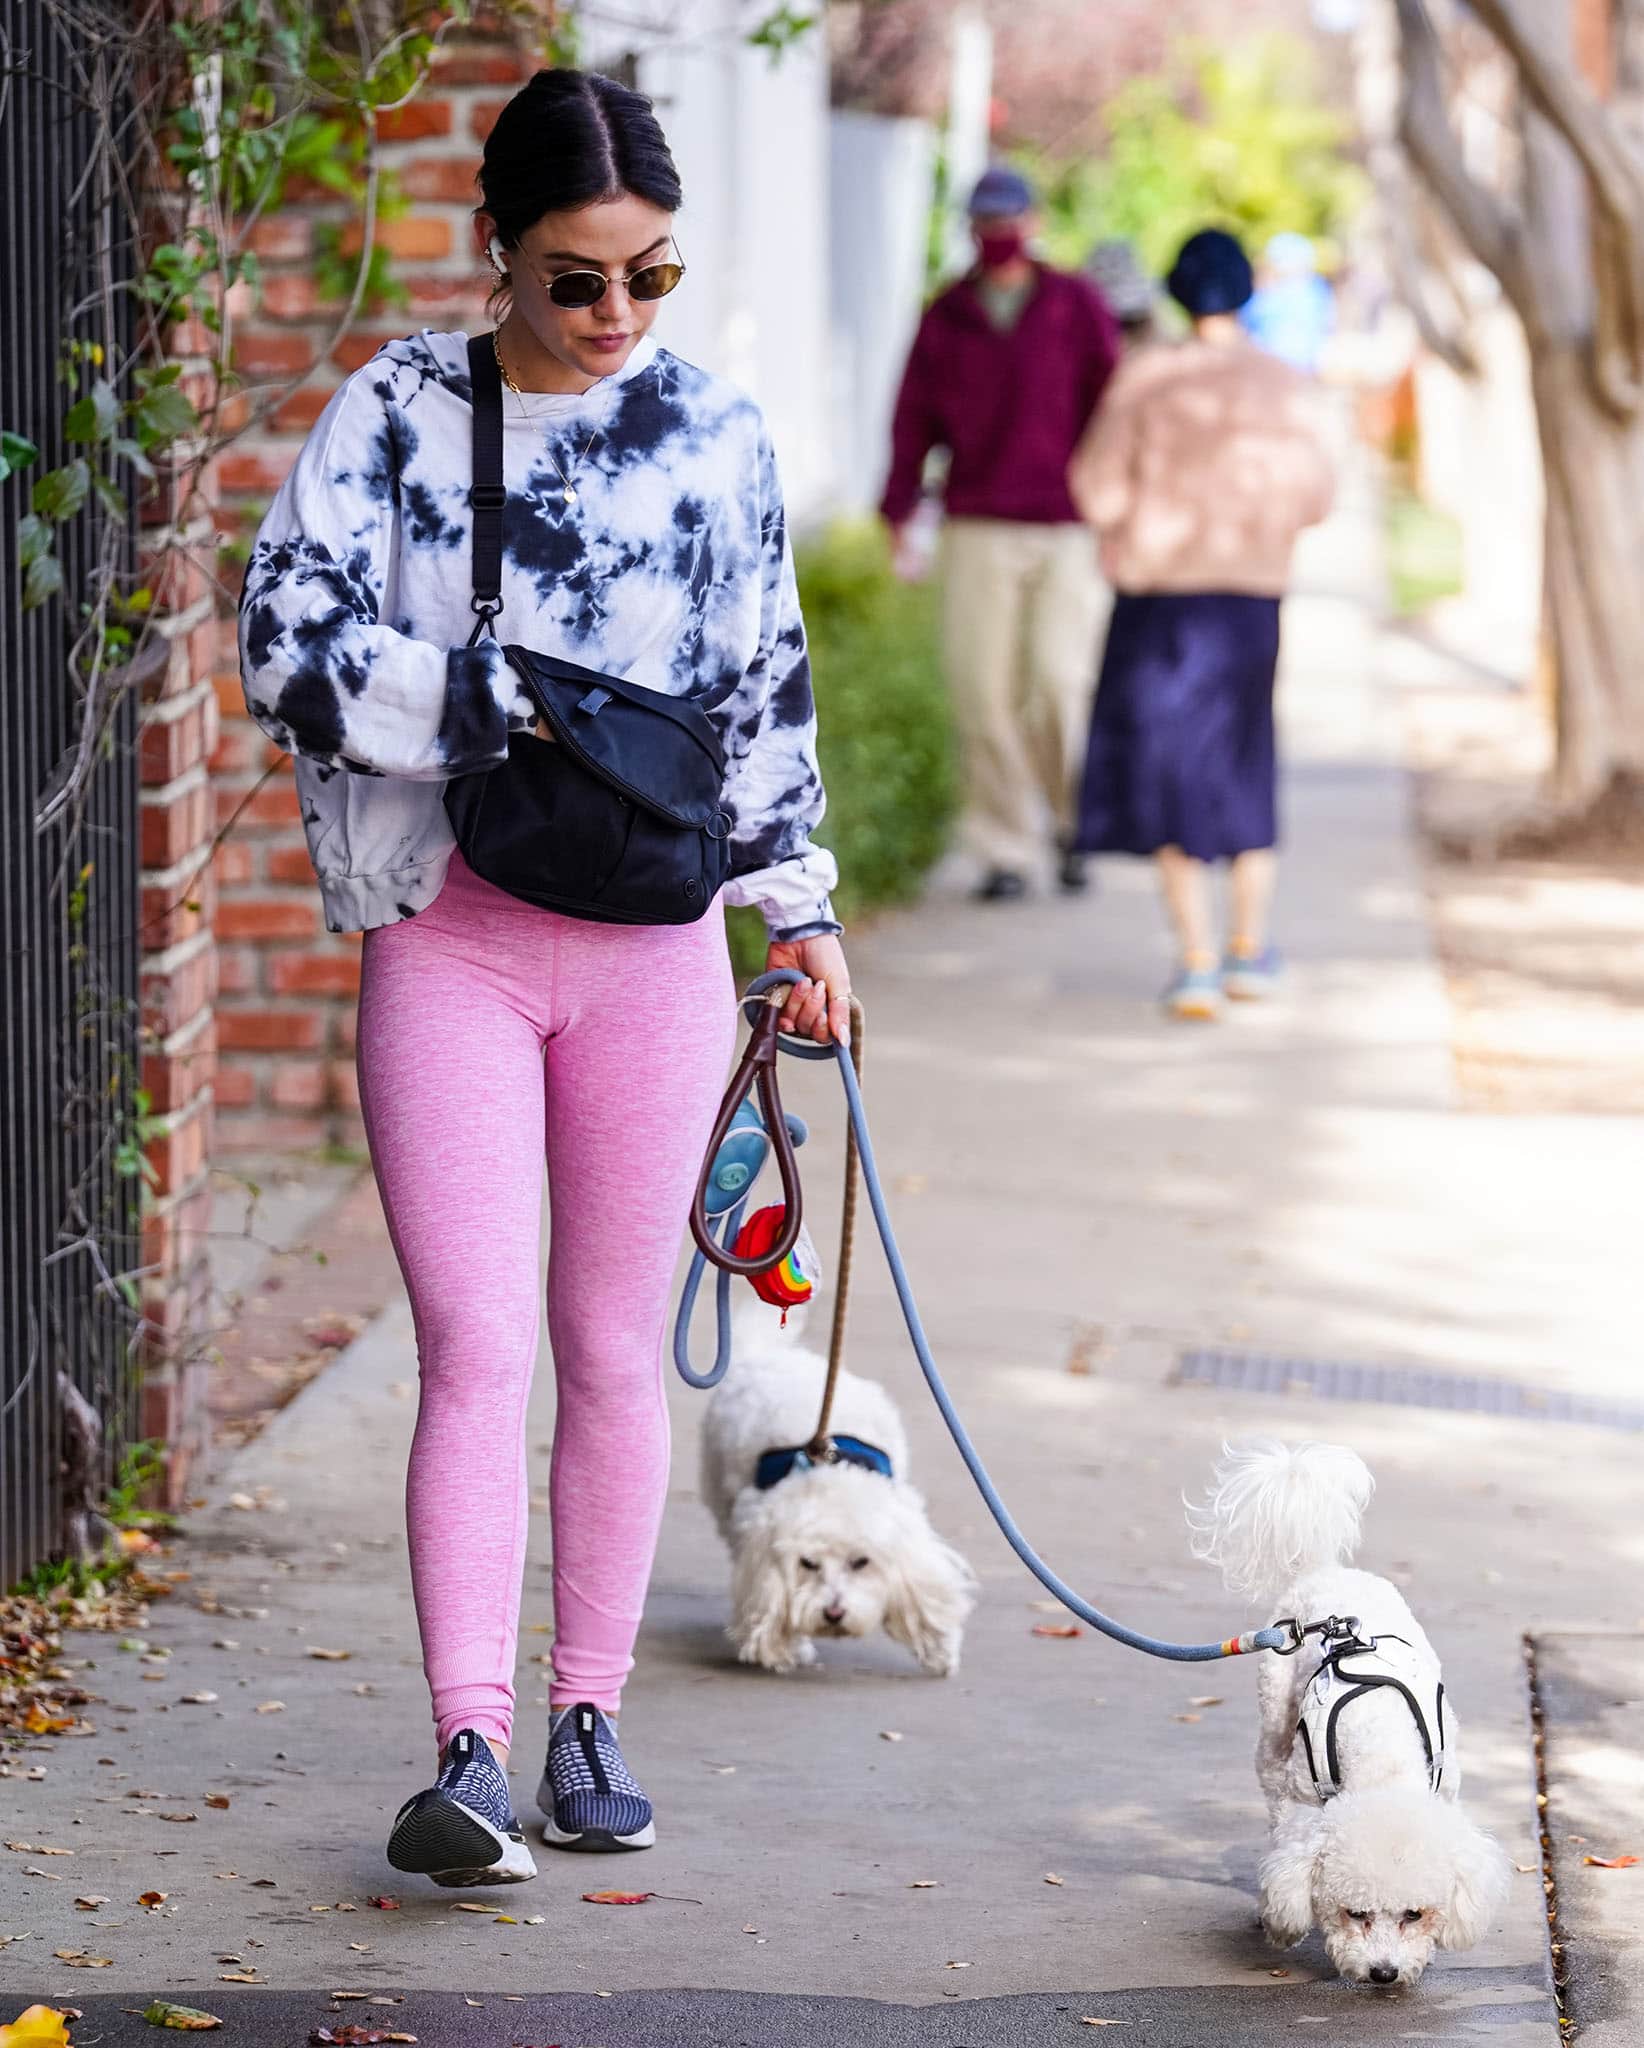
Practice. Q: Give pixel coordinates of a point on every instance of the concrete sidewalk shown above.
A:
(1085, 1194)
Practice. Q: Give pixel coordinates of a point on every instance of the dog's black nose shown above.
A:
(1383, 1973)
(834, 1614)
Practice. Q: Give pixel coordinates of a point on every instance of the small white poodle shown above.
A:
(1357, 1752)
(822, 1549)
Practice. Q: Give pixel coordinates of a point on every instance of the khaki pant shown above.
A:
(1023, 607)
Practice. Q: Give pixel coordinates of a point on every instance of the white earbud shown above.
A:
(494, 251)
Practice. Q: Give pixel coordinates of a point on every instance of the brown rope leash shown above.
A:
(821, 1444)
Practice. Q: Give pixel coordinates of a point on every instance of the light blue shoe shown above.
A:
(1249, 977)
(1195, 995)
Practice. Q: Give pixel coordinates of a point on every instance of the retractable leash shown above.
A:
(758, 1070)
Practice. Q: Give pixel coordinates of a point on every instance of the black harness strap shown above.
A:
(1364, 1682)
(487, 494)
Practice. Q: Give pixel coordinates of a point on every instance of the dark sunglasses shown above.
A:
(577, 290)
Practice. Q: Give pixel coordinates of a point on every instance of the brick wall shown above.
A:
(286, 987)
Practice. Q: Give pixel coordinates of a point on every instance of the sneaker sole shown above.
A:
(438, 1837)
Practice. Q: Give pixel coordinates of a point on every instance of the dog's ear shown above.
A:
(932, 1589)
(1286, 1877)
(1478, 1885)
(761, 1621)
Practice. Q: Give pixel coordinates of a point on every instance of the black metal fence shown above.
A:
(68, 894)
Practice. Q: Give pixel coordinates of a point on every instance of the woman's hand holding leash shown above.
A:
(818, 1007)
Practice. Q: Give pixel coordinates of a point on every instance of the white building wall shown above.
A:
(750, 137)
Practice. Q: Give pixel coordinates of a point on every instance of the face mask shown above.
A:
(1002, 246)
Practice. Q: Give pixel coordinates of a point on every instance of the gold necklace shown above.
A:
(570, 492)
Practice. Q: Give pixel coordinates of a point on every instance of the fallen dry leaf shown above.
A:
(1103, 2023)
(91, 1901)
(37, 1849)
(153, 1900)
(1187, 1717)
(958, 1966)
(925, 1884)
(134, 1542)
(352, 2035)
(271, 1707)
(38, 1722)
(1208, 1699)
(616, 1898)
(179, 1816)
(534, 1919)
(78, 1959)
(1052, 1878)
(890, 1735)
(187, 2019)
(197, 1699)
(1524, 1869)
(1057, 1628)
(330, 1656)
(218, 1800)
(1610, 1862)
(387, 1905)
(467, 1906)
(1278, 1973)
(236, 1976)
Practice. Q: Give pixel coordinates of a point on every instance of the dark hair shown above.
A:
(1211, 274)
(569, 139)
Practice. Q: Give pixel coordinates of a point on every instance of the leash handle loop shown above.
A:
(756, 1069)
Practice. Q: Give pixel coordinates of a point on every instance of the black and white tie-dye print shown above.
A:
(670, 567)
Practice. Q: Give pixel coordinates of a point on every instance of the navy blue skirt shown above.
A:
(1181, 735)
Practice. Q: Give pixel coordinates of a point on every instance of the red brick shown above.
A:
(271, 1030)
(177, 995)
(254, 472)
(298, 413)
(345, 1022)
(233, 411)
(299, 1084)
(263, 919)
(461, 297)
(239, 750)
(175, 1228)
(482, 117)
(266, 352)
(235, 1086)
(314, 974)
(345, 1085)
(179, 1153)
(225, 684)
(270, 1134)
(239, 973)
(235, 864)
(176, 910)
(416, 238)
(275, 805)
(354, 351)
(178, 575)
(168, 747)
(173, 1079)
(283, 237)
(290, 864)
(482, 64)
(191, 338)
(173, 826)
(416, 121)
(452, 180)
(291, 295)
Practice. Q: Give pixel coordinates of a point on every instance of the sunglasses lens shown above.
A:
(655, 281)
(577, 288)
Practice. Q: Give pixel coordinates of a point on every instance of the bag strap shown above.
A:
(486, 494)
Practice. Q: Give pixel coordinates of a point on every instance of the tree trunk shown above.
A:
(1595, 590)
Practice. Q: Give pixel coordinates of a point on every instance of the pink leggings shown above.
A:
(489, 1032)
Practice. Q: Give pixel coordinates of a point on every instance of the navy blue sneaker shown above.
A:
(462, 1831)
(587, 1791)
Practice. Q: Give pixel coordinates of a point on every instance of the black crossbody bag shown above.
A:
(618, 819)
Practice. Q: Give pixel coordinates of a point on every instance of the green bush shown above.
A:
(886, 744)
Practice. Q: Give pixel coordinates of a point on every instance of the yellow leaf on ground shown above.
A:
(187, 2019)
(37, 2026)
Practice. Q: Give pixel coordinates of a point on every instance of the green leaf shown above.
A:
(61, 492)
(44, 580)
(95, 416)
(133, 453)
(114, 499)
(33, 538)
(164, 414)
(16, 452)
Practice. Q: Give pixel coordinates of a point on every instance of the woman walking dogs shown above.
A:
(568, 1005)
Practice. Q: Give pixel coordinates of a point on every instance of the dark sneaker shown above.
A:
(1073, 874)
(587, 1791)
(462, 1831)
(1000, 885)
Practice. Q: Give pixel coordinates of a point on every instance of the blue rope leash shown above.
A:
(1282, 1638)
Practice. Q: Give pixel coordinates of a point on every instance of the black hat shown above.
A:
(1212, 274)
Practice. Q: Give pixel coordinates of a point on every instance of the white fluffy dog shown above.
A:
(1368, 1842)
(829, 1549)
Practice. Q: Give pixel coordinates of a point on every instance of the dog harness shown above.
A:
(774, 1466)
(1352, 1669)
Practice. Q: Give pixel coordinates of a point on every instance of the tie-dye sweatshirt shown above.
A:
(669, 566)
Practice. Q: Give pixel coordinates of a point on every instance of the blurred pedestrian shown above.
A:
(1005, 373)
(1198, 474)
(1130, 295)
(1292, 312)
